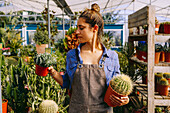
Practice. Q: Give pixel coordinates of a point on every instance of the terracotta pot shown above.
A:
(157, 56)
(41, 48)
(163, 90)
(109, 92)
(157, 28)
(4, 105)
(41, 71)
(162, 56)
(167, 57)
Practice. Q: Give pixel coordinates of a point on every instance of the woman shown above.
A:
(89, 68)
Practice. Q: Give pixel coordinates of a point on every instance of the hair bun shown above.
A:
(95, 7)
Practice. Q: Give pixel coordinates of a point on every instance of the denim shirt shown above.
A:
(111, 65)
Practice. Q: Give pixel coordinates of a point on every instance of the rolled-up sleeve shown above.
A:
(66, 81)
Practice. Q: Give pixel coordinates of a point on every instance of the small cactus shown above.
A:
(158, 77)
(164, 81)
(122, 84)
(166, 75)
(48, 106)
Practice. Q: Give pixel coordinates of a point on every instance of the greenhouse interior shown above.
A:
(38, 34)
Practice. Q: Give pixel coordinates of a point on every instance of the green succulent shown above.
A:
(122, 84)
(166, 75)
(44, 60)
(48, 106)
(164, 81)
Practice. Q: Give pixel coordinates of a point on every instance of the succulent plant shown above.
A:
(164, 81)
(166, 75)
(158, 77)
(44, 60)
(122, 84)
(48, 106)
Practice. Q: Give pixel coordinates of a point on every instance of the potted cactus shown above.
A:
(157, 24)
(120, 86)
(41, 39)
(43, 61)
(48, 106)
(167, 76)
(167, 52)
(158, 49)
(164, 84)
(158, 77)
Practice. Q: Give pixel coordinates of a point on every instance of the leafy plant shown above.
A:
(14, 41)
(137, 104)
(44, 60)
(122, 84)
(107, 39)
(41, 36)
(14, 89)
(71, 40)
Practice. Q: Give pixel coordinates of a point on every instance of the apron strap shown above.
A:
(102, 63)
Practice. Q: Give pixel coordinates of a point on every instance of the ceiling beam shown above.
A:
(62, 4)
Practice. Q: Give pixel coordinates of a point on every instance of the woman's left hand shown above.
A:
(119, 101)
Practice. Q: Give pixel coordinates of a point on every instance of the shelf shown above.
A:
(162, 38)
(164, 64)
(142, 37)
(159, 100)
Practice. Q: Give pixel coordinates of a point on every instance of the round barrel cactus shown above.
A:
(48, 106)
(122, 84)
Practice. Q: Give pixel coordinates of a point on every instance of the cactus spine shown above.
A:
(122, 84)
(48, 106)
(164, 81)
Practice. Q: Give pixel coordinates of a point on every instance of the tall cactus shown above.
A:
(122, 84)
(48, 106)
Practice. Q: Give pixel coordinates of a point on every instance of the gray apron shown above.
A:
(88, 90)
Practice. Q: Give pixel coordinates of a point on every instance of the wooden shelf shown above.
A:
(159, 100)
(164, 64)
(142, 37)
(162, 38)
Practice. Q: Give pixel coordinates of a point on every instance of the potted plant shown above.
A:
(167, 53)
(41, 39)
(158, 49)
(165, 27)
(43, 61)
(120, 86)
(48, 106)
(157, 24)
(137, 105)
(158, 77)
(4, 105)
(167, 76)
(141, 51)
(164, 84)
